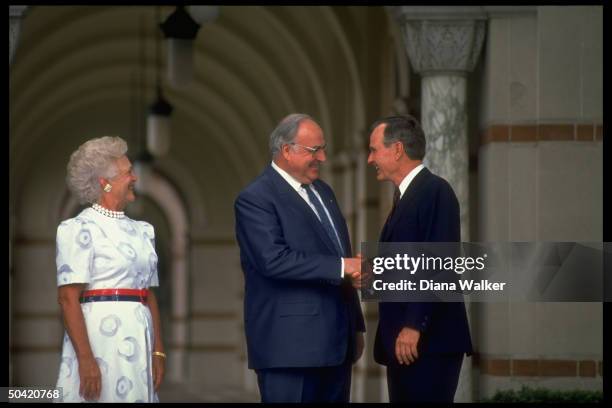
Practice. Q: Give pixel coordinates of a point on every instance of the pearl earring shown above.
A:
(108, 188)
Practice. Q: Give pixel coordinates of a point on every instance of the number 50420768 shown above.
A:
(14, 394)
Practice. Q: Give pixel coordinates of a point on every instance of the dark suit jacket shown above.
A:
(298, 311)
(427, 212)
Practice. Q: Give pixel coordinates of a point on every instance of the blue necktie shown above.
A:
(327, 226)
(396, 198)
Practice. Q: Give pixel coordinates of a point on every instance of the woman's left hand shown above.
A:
(159, 361)
(159, 367)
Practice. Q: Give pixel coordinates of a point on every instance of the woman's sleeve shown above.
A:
(74, 252)
(149, 235)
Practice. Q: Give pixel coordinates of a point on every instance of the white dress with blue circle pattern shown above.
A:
(110, 253)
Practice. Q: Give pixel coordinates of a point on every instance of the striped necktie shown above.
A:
(325, 221)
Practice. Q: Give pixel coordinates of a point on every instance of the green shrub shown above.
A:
(535, 395)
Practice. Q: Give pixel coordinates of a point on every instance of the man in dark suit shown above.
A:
(421, 343)
(302, 315)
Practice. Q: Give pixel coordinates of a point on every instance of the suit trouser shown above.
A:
(431, 378)
(305, 384)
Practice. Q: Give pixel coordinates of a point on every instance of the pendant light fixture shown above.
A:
(158, 119)
(180, 29)
(143, 160)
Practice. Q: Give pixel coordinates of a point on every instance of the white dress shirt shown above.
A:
(408, 179)
(297, 186)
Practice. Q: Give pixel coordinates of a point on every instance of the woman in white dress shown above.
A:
(106, 262)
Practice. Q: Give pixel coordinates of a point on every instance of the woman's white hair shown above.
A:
(93, 159)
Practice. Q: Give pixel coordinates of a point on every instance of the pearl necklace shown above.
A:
(109, 213)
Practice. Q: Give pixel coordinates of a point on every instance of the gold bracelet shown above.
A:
(159, 353)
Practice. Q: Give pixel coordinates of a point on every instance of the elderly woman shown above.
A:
(106, 262)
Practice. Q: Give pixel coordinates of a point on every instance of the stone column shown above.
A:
(443, 44)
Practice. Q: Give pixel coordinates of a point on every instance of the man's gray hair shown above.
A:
(93, 159)
(285, 131)
(405, 129)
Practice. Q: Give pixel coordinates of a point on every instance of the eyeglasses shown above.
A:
(312, 150)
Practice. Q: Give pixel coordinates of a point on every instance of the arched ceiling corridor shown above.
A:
(78, 73)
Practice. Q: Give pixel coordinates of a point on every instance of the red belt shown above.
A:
(106, 295)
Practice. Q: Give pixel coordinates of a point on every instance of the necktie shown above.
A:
(396, 198)
(327, 226)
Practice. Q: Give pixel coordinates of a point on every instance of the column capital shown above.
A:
(404, 13)
(16, 13)
(442, 39)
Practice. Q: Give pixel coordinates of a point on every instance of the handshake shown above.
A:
(352, 269)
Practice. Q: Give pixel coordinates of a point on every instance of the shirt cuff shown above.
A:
(342, 268)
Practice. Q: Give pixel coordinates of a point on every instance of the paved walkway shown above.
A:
(170, 392)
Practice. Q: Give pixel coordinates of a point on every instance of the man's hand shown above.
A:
(406, 346)
(359, 346)
(352, 269)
